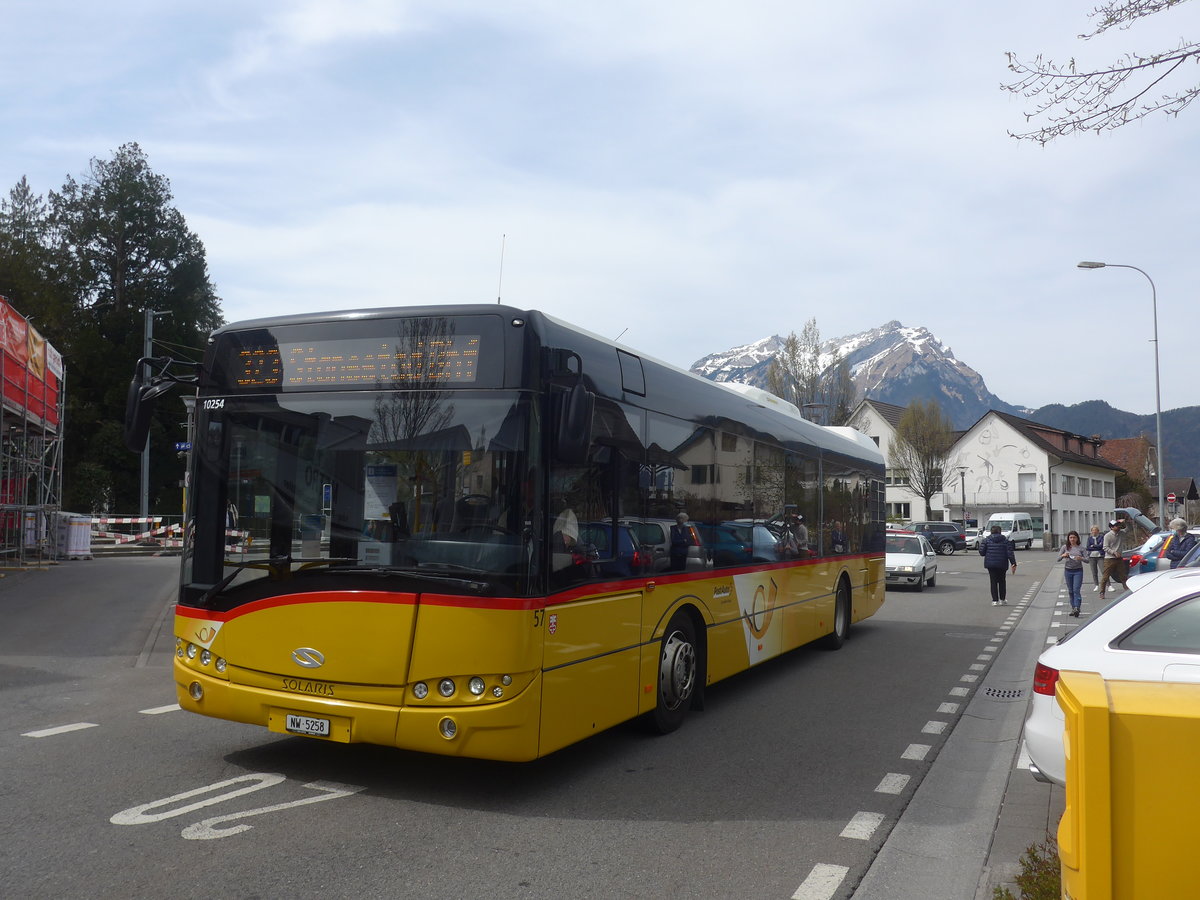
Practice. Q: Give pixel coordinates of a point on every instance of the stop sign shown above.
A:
(1171, 498)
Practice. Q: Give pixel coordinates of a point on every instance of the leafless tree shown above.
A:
(796, 375)
(1070, 101)
(921, 448)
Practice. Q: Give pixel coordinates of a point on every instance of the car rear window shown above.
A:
(1175, 629)
(647, 532)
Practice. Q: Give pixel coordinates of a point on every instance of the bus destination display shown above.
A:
(359, 362)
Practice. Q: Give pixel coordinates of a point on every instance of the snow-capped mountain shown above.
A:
(892, 363)
(747, 364)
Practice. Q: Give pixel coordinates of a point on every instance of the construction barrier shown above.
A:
(1128, 829)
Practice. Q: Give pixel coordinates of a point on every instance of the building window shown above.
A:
(1110, 490)
(897, 477)
(1083, 487)
(728, 442)
(898, 510)
(1068, 484)
(1097, 488)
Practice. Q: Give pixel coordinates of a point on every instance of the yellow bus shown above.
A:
(480, 531)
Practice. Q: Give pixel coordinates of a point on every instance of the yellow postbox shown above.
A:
(1130, 827)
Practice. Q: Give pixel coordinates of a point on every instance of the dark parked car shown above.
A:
(725, 546)
(630, 557)
(764, 543)
(946, 537)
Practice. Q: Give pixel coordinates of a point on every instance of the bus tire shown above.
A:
(841, 617)
(678, 673)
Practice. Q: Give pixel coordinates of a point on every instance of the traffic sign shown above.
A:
(187, 445)
(1171, 497)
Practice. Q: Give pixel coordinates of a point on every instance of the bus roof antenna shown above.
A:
(500, 284)
(618, 337)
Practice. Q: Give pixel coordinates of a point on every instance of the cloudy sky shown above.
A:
(689, 175)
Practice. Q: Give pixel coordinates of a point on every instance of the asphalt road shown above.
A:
(786, 785)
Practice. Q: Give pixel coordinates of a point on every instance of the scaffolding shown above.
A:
(32, 396)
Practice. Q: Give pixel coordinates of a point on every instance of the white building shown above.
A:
(1004, 463)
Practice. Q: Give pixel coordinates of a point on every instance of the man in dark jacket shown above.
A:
(997, 553)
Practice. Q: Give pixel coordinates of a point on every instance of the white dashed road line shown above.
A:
(916, 751)
(822, 882)
(61, 729)
(862, 826)
(893, 783)
(159, 710)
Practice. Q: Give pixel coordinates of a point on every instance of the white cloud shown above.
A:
(701, 174)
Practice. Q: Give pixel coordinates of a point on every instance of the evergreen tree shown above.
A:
(121, 248)
(27, 276)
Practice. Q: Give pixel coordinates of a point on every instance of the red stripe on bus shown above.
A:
(583, 591)
(404, 599)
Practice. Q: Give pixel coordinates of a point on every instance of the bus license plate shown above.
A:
(307, 725)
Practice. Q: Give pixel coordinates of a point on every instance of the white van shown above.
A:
(1016, 526)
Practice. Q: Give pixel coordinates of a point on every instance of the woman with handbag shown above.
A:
(1095, 555)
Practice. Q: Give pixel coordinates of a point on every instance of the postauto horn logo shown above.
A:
(308, 657)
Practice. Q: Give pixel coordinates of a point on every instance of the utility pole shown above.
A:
(148, 350)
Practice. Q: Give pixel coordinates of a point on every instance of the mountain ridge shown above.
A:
(898, 364)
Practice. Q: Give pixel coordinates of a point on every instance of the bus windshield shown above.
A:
(431, 484)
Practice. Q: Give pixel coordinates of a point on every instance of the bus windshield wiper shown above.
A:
(277, 567)
(270, 565)
(443, 572)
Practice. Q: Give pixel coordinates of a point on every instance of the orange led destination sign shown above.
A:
(359, 362)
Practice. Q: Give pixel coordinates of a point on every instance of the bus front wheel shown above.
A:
(677, 673)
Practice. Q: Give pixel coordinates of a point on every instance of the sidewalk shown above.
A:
(978, 809)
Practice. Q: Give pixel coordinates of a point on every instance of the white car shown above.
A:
(973, 535)
(910, 559)
(1151, 634)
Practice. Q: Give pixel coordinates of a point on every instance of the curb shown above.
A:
(945, 842)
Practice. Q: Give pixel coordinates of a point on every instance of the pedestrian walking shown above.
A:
(1181, 542)
(997, 553)
(1073, 554)
(1095, 555)
(1115, 567)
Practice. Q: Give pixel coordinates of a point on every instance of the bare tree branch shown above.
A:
(1104, 99)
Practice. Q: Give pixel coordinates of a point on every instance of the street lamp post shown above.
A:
(1162, 472)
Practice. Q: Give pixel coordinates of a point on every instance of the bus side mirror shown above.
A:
(573, 435)
(139, 407)
(137, 413)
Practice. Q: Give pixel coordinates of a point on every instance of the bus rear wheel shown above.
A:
(677, 673)
(841, 616)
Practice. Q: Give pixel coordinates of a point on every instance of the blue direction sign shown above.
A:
(183, 445)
